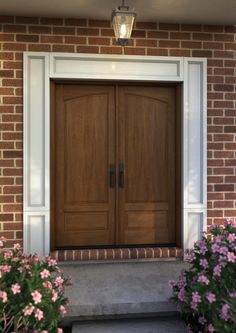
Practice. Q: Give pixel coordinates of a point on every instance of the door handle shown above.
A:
(121, 175)
(112, 176)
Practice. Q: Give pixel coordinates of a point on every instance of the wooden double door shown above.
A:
(113, 163)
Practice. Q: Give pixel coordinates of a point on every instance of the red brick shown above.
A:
(39, 48)
(75, 40)
(6, 163)
(6, 198)
(146, 42)
(6, 145)
(180, 53)
(169, 26)
(40, 29)
(213, 46)
(136, 34)
(12, 172)
(157, 52)
(215, 63)
(230, 46)
(180, 35)
(215, 179)
(230, 129)
(7, 19)
(215, 196)
(27, 20)
(146, 25)
(223, 54)
(213, 28)
(6, 181)
(223, 104)
(13, 65)
(6, 56)
(191, 45)
(12, 136)
(109, 32)
(7, 37)
(201, 53)
(12, 100)
(230, 162)
(191, 27)
(202, 36)
(134, 51)
(224, 37)
(230, 79)
(6, 217)
(14, 28)
(230, 146)
(169, 43)
(51, 39)
(223, 137)
(230, 213)
(13, 189)
(111, 50)
(230, 196)
(64, 31)
(215, 163)
(87, 31)
(99, 41)
(77, 22)
(223, 154)
(223, 187)
(158, 34)
(63, 48)
(51, 21)
(6, 73)
(99, 23)
(230, 63)
(215, 213)
(12, 82)
(12, 208)
(14, 47)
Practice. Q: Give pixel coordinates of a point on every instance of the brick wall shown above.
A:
(217, 43)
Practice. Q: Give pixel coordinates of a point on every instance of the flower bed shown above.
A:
(205, 294)
(31, 292)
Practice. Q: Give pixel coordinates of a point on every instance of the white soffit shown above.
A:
(173, 11)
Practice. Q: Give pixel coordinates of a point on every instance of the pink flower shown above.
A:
(224, 312)
(3, 296)
(8, 254)
(231, 257)
(51, 262)
(39, 314)
(62, 310)
(215, 248)
(27, 311)
(232, 294)
(217, 270)
(17, 246)
(36, 297)
(211, 297)
(59, 330)
(204, 263)
(2, 241)
(202, 320)
(203, 279)
(54, 296)
(45, 273)
(16, 288)
(181, 294)
(224, 250)
(5, 268)
(16, 259)
(196, 297)
(44, 331)
(231, 238)
(59, 281)
(210, 328)
(47, 284)
(171, 283)
(218, 238)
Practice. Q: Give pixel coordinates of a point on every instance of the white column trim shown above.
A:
(39, 68)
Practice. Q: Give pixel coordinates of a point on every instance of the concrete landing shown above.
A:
(151, 325)
(118, 290)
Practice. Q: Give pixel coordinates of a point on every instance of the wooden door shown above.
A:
(114, 165)
(84, 153)
(146, 165)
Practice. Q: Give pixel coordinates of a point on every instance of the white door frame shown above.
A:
(39, 68)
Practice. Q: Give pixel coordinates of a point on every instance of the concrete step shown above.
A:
(120, 290)
(147, 325)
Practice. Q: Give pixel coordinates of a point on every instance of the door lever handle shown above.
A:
(112, 176)
(121, 175)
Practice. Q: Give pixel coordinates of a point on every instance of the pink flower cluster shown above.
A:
(208, 286)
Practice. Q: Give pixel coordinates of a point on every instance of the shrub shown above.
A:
(31, 292)
(205, 293)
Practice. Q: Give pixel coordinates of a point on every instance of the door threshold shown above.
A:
(118, 254)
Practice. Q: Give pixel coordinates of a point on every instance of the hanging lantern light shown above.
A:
(123, 21)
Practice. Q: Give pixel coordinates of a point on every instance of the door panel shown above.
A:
(146, 149)
(129, 130)
(84, 150)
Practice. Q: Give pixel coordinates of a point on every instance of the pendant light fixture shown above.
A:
(122, 21)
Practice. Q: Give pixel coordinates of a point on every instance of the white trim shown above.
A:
(40, 67)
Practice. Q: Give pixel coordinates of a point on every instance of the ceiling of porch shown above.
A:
(172, 11)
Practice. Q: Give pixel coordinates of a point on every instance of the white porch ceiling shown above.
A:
(172, 11)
